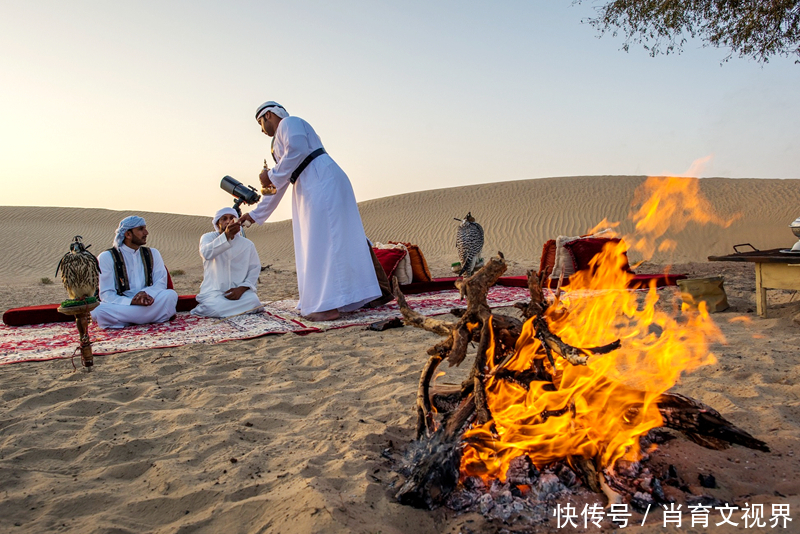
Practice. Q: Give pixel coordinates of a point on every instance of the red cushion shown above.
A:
(419, 266)
(639, 281)
(48, 313)
(548, 260)
(389, 258)
(436, 284)
(583, 250)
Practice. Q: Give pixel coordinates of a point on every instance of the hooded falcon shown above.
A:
(80, 272)
(469, 243)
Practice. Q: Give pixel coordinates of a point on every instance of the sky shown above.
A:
(146, 105)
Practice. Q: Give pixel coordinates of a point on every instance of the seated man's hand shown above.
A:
(142, 299)
(232, 229)
(235, 293)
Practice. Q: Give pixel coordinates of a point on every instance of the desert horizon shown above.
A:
(518, 217)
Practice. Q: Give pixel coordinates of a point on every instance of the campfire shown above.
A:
(577, 390)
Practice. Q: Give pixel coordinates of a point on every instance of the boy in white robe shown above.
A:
(138, 303)
(335, 272)
(230, 269)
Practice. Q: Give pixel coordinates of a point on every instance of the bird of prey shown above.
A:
(80, 271)
(469, 243)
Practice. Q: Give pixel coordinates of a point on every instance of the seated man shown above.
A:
(133, 280)
(230, 269)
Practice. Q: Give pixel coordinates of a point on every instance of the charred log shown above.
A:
(435, 463)
(703, 424)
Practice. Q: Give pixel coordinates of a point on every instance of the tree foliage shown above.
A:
(758, 29)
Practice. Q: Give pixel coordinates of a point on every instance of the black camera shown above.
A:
(244, 194)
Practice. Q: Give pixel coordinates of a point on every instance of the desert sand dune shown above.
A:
(518, 218)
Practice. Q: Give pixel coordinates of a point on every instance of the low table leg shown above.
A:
(761, 293)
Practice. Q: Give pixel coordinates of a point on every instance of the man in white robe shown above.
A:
(335, 272)
(230, 269)
(130, 299)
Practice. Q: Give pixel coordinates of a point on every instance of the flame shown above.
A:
(600, 410)
(669, 203)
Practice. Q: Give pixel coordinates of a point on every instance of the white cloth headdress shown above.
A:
(128, 223)
(274, 107)
(220, 213)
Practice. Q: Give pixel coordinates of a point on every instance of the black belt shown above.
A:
(300, 168)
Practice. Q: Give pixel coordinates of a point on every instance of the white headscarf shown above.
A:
(220, 213)
(128, 223)
(272, 106)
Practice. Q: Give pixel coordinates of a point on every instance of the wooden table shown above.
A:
(774, 270)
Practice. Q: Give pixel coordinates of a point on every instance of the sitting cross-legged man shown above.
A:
(133, 280)
(230, 269)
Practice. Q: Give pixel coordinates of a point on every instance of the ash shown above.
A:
(529, 495)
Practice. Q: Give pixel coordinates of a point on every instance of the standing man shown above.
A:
(133, 280)
(230, 269)
(335, 272)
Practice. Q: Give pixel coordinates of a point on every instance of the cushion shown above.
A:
(419, 267)
(548, 260)
(403, 271)
(48, 313)
(563, 262)
(437, 284)
(389, 258)
(583, 250)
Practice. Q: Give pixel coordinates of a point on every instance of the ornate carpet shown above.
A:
(60, 340)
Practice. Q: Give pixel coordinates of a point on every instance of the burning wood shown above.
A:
(538, 411)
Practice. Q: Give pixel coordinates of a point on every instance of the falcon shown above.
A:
(80, 272)
(469, 243)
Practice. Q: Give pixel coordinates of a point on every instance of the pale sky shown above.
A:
(142, 105)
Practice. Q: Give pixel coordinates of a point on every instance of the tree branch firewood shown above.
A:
(435, 466)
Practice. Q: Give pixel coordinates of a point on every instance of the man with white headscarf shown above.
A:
(335, 270)
(133, 280)
(230, 269)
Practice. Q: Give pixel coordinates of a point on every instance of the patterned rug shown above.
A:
(60, 340)
(435, 303)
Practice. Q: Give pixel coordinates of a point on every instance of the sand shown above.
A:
(286, 433)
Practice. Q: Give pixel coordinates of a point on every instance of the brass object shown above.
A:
(270, 189)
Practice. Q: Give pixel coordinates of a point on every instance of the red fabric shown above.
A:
(583, 250)
(48, 313)
(437, 284)
(639, 281)
(389, 258)
(548, 260)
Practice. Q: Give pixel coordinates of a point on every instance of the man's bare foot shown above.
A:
(329, 315)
